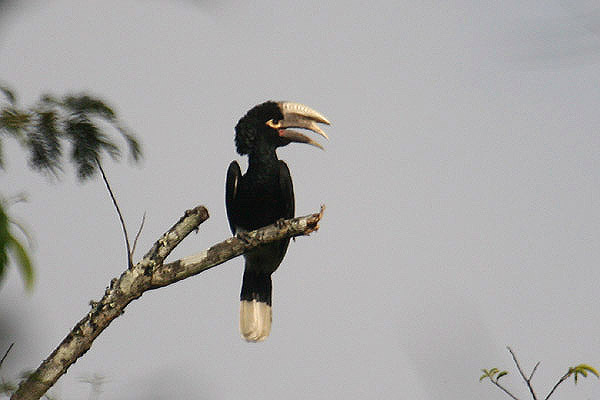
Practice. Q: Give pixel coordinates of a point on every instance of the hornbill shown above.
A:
(262, 196)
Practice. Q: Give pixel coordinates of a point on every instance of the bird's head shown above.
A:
(266, 125)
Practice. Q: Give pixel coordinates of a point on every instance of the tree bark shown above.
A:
(150, 273)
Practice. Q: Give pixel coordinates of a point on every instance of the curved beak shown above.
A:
(296, 115)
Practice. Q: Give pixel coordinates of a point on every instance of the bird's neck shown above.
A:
(262, 160)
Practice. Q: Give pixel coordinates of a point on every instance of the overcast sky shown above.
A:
(461, 183)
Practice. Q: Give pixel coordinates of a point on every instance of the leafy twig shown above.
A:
(581, 369)
(494, 376)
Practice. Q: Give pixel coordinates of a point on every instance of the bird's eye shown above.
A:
(273, 123)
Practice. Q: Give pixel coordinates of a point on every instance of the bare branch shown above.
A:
(137, 235)
(534, 369)
(114, 200)
(148, 274)
(232, 247)
(495, 382)
(561, 380)
(6, 354)
(527, 380)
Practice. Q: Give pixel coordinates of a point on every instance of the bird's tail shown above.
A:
(255, 307)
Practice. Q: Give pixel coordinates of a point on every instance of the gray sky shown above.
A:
(461, 183)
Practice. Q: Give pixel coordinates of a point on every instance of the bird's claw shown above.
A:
(244, 236)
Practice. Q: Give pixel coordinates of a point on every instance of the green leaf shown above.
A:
(1, 156)
(47, 100)
(10, 96)
(111, 148)
(490, 374)
(4, 240)
(135, 150)
(24, 262)
(588, 368)
(582, 369)
(486, 374)
(87, 143)
(14, 121)
(85, 104)
(501, 374)
(44, 143)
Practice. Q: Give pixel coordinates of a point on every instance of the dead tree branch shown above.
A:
(150, 273)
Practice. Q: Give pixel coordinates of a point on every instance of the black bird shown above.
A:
(262, 196)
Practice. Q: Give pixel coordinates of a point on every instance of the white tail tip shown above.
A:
(255, 320)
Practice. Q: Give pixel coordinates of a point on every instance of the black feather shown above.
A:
(251, 125)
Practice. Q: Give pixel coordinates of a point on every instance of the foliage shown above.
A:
(494, 375)
(13, 246)
(44, 130)
(582, 369)
(77, 119)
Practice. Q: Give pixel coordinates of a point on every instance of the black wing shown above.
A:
(287, 190)
(231, 185)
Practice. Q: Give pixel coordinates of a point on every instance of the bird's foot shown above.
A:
(280, 224)
(244, 236)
